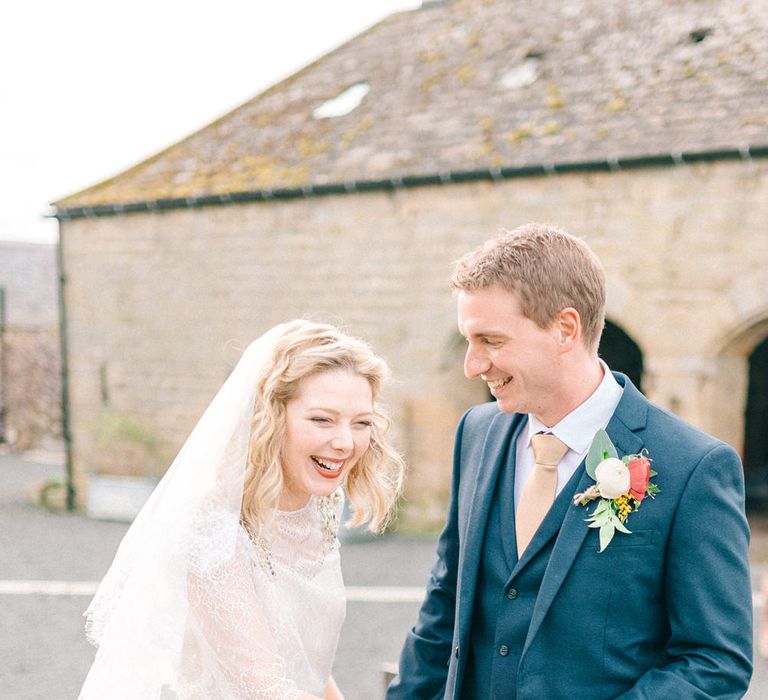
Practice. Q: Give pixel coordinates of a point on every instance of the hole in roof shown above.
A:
(698, 35)
(524, 73)
(343, 103)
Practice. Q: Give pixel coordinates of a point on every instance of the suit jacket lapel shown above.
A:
(629, 418)
(504, 428)
(505, 488)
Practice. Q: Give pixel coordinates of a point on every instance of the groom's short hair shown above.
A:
(547, 268)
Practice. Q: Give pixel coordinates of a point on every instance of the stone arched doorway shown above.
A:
(735, 401)
(621, 353)
(756, 427)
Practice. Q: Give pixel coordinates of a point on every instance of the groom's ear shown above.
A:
(568, 325)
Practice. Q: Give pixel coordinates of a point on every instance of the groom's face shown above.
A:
(520, 362)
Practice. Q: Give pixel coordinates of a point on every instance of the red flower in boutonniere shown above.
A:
(621, 486)
(639, 476)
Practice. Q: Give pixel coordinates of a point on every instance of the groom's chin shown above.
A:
(507, 406)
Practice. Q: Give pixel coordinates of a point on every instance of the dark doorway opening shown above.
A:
(756, 428)
(621, 353)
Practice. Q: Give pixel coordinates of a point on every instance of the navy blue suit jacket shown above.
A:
(664, 612)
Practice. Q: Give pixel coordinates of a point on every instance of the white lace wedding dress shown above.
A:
(261, 622)
(192, 608)
(265, 624)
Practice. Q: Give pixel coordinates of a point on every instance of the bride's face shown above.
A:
(327, 430)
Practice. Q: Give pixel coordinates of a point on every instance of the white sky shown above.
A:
(90, 87)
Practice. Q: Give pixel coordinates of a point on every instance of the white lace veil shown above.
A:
(188, 527)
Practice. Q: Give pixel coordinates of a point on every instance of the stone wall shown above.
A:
(32, 392)
(161, 304)
(30, 371)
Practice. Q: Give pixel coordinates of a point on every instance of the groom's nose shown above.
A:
(475, 363)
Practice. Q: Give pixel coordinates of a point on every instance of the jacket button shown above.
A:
(456, 652)
(504, 650)
(512, 593)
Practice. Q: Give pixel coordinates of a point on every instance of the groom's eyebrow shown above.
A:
(486, 334)
(482, 333)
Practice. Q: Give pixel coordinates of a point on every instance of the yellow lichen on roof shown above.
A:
(615, 79)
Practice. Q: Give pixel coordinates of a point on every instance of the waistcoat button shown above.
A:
(512, 593)
(504, 650)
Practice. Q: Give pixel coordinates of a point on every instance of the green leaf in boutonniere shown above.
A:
(600, 449)
(605, 518)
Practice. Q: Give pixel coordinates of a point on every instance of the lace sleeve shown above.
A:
(230, 648)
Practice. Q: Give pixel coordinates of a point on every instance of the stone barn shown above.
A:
(345, 193)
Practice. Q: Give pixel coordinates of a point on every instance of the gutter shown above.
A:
(745, 153)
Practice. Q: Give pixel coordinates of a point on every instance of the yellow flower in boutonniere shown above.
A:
(621, 485)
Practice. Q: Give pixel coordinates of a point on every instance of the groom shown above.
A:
(521, 603)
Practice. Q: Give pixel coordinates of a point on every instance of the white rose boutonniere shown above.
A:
(612, 477)
(621, 485)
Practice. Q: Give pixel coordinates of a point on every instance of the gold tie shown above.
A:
(539, 490)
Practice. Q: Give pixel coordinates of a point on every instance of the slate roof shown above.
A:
(469, 85)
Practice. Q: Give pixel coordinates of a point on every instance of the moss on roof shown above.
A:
(601, 80)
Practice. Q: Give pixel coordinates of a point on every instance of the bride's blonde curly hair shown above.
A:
(304, 349)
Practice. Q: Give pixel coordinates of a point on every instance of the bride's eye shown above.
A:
(320, 419)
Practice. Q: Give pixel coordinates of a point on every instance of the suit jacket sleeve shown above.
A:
(707, 589)
(427, 651)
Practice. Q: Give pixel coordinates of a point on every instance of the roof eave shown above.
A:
(743, 153)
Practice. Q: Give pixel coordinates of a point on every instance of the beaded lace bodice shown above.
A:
(264, 625)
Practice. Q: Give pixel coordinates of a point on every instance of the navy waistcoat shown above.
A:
(507, 590)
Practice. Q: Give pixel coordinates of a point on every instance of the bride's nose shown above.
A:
(342, 439)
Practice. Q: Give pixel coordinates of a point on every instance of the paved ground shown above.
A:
(43, 652)
(44, 655)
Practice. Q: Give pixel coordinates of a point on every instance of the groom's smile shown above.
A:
(495, 385)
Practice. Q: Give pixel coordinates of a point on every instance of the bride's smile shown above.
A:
(329, 468)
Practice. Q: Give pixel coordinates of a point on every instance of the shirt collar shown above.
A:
(578, 428)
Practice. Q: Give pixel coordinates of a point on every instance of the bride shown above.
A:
(228, 584)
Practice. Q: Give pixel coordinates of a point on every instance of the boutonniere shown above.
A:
(621, 485)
